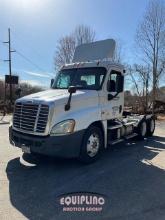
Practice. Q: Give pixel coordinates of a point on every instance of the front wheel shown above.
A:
(92, 145)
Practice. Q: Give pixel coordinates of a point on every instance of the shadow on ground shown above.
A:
(134, 189)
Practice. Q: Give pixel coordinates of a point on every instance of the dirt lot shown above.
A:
(132, 176)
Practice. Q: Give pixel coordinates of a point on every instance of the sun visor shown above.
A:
(99, 50)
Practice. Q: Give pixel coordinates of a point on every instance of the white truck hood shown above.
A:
(53, 95)
(48, 95)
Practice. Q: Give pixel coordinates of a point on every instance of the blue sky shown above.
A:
(36, 26)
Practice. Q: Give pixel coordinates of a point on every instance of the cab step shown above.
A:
(122, 139)
(131, 136)
(115, 141)
(114, 127)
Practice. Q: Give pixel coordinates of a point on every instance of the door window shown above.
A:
(113, 81)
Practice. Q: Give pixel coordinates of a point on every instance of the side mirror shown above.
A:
(72, 89)
(119, 83)
(51, 83)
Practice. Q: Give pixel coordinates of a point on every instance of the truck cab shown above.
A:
(82, 113)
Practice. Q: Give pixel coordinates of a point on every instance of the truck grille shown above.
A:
(30, 117)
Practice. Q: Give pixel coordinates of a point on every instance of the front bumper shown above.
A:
(67, 146)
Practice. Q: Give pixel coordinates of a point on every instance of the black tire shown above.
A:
(142, 130)
(86, 155)
(150, 127)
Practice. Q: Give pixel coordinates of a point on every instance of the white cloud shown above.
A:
(44, 75)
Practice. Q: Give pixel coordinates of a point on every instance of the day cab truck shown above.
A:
(82, 114)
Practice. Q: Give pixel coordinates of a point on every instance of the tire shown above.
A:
(92, 145)
(150, 127)
(142, 130)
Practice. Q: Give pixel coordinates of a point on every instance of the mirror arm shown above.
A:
(71, 90)
(67, 106)
(113, 96)
(116, 95)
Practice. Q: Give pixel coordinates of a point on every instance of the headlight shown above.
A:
(63, 128)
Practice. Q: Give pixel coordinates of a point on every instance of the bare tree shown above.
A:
(133, 79)
(150, 38)
(2, 86)
(138, 77)
(66, 45)
(26, 89)
(144, 77)
(83, 34)
(118, 54)
(64, 51)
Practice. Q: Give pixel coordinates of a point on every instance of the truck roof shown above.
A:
(105, 64)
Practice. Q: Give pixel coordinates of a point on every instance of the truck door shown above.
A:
(112, 103)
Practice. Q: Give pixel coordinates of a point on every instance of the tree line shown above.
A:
(26, 89)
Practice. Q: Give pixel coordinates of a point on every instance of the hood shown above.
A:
(52, 95)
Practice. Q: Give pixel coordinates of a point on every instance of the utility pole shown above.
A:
(9, 60)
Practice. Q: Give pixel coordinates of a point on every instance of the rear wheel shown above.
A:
(92, 145)
(150, 127)
(142, 130)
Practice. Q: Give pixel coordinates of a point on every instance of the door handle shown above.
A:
(120, 108)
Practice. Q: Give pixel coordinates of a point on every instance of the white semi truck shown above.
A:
(82, 114)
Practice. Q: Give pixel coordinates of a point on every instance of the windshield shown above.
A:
(82, 78)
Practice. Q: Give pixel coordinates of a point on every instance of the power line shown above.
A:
(28, 60)
(24, 43)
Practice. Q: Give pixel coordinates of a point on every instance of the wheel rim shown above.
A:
(93, 145)
(152, 126)
(143, 129)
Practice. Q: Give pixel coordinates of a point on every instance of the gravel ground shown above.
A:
(132, 176)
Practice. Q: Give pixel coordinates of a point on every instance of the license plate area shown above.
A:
(25, 149)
